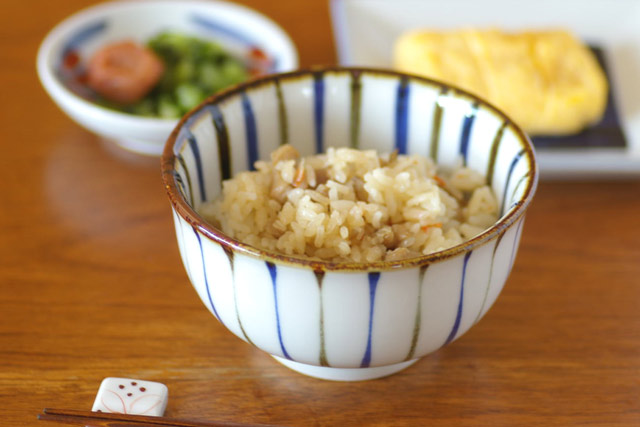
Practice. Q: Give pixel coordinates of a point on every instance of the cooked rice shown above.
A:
(351, 205)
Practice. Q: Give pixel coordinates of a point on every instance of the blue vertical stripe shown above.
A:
(273, 273)
(456, 324)
(206, 279)
(512, 166)
(402, 115)
(467, 125)
(318, 111)
(373, 284)
(251, 134)
(193, 144)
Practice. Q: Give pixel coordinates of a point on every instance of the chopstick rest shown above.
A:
(131, 396)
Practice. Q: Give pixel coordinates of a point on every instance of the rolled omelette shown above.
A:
(548, 82)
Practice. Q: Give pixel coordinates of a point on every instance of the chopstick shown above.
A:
(103, 419)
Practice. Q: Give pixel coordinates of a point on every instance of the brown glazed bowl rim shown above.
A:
(184, 210)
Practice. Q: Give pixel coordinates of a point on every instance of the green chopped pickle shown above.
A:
(194, 69)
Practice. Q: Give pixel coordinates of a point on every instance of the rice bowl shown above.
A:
(345, 320)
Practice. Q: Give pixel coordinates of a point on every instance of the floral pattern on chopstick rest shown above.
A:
(131, 396)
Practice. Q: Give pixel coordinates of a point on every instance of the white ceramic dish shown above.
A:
(237, 28)
(346, 321)
(366, 29)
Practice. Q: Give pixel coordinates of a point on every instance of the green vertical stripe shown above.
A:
(323, 353)
(520, 181)
(486, 291)
(282, 115)
(418, 319)
(186, 174)
(436, 123)
(224, 151)
(356, 101)
(494, 153)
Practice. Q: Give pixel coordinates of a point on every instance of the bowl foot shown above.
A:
(345, 374)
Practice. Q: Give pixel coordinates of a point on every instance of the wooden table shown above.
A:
(92, 286)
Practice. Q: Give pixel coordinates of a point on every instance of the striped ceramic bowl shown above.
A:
(336, 320)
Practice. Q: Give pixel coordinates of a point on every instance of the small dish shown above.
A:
(238, 29)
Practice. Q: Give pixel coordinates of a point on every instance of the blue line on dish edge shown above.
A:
(232, 34)
(82, 36)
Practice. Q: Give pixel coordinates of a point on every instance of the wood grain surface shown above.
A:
(91, 286)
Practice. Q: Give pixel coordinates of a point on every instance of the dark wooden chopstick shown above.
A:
(103, 419)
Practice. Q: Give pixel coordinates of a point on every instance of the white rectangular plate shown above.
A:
(365, 31)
